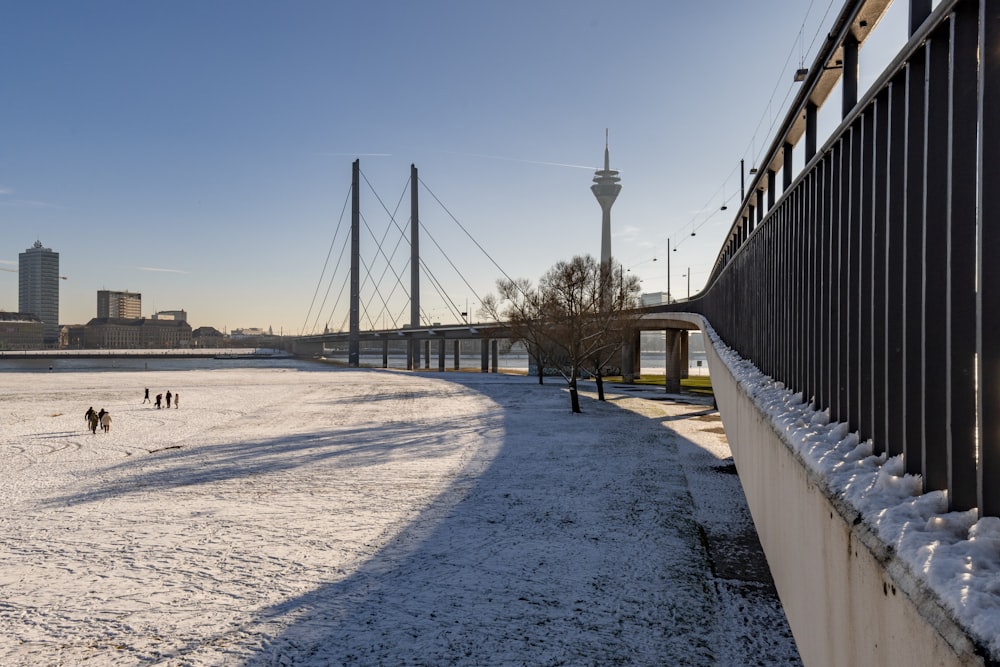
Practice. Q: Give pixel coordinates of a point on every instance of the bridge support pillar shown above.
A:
(628, 373)
(631, 358)
(484, 355)
(495, 353)
(441, 356)
(672, 384)
(385, 353)
(684, 363)
(458, 354)
(427, 355)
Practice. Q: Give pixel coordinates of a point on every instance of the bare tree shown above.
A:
(576, 320)
(519, 306)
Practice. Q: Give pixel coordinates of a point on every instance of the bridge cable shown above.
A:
(460, 226)
(452, 264)
(376, 284)
(439, 288)
(340, 294)
(381, 242)
(327, 262)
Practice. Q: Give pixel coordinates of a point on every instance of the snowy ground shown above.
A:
(318, 516)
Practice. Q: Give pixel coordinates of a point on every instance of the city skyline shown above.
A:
(201, 153)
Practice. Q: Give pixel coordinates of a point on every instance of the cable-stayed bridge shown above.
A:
(859, 272)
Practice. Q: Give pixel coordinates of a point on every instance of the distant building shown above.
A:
(117, 333)
(72, 336)
(180, 315)
(38, 289)
(119, 305)
(253, 337)
(21, 331)
(248, 332)
(653, 299)
(207, 337)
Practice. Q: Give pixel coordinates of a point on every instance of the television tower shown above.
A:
(606, 188)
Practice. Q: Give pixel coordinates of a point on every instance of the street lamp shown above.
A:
(668, 270)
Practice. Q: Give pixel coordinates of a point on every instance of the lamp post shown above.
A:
(668, 271)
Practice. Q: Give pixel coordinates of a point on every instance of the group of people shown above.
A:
(102, 418)
(95, 419)
(176, 398)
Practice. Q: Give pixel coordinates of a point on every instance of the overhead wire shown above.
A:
(751, 147)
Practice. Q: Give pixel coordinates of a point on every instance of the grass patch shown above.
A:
(699, 385)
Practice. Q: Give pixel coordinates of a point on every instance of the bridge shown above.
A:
(859, 283)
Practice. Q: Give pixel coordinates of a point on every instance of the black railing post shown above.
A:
(811, 120)
(879, 259)
(935, 264)
(786, 167)
(865, 226)
(988, 305)
(853, 296)
(849, 83)
(895, 284)
(961, 270)
(842, 273)
(913, 270)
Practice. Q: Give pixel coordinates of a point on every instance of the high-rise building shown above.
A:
(38, 288)
(606, 188)
(120, 305)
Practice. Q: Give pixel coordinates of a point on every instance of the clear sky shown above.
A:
(199, 152)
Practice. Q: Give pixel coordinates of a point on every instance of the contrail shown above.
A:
(514, 159)
(357, 154)
(151, 268)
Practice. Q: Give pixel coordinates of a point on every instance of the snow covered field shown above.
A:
(315, 516)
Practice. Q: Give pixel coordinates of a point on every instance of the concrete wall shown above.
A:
(848, 600)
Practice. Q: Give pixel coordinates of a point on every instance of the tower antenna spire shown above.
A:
(606, 187)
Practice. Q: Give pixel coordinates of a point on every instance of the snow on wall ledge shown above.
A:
(869, 569)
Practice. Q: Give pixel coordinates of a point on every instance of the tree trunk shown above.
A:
(600, 384)
(541, 370)
(574, 396)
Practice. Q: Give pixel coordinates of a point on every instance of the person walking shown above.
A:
(106, 421)
(146, 397)
(177, 401)
(168, 397)
(159, 399)
(92, 420)
(88, 414)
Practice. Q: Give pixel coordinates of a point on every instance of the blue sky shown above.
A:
(200, 152)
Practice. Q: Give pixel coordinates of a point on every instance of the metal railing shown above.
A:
(872, 285)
